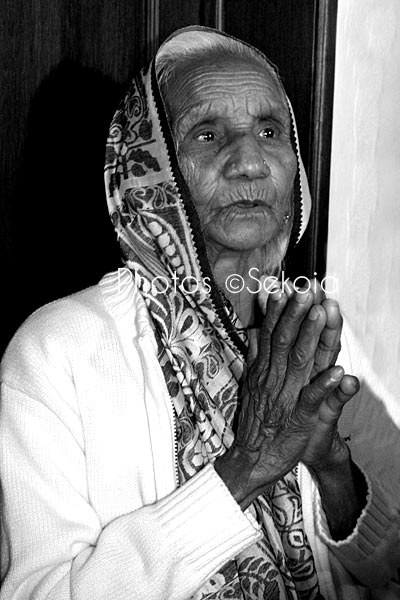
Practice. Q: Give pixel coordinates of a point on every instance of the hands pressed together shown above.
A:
(292, 397)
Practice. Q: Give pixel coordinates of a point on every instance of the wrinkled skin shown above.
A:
(232, 132)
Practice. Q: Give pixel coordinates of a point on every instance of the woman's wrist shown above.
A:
(235, 467)
(338, 459)
(229, 471)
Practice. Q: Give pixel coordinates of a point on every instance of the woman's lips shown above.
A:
(247, 204)
(251, 205)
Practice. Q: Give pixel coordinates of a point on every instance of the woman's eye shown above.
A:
(206, 136)
(267, 132)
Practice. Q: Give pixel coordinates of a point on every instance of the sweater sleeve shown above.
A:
(55, 545)
(372, 552)
(370, 426)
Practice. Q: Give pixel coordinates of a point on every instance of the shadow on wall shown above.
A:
(62, 237)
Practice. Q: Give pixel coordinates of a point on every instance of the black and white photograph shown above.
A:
(200, 339)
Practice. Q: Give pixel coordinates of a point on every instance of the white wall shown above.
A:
(364, 225)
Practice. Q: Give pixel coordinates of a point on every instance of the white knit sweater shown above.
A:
(91, 506)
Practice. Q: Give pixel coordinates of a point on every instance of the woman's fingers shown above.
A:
(329, 343)
(332, 408)
(287, 329)
(255, 395)
(266, 377)
(292, 347)
(275, 306)
(288, 342)
(270, 286)
(300, 358)
(318, 292)
(322, 408)
(315, 393)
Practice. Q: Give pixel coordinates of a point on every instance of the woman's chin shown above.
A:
(242, 235)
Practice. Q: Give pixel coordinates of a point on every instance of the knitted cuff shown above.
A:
(370, 528)
(218, 527)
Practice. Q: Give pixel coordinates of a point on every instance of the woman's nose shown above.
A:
(245, 160)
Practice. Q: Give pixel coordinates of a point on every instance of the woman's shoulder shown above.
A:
(58, 318)
(74, 325)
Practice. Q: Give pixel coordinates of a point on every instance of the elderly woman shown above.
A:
(143, 457)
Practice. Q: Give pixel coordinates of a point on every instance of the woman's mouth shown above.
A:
(249, 204)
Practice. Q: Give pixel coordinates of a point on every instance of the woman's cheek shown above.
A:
(284, 175)
(186, 165)
(202, 181)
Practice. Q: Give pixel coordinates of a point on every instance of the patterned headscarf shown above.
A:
(201, 344)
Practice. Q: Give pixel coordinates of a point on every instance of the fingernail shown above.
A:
(302, 297)
(337, 373)
(276, 294)
(314, 313)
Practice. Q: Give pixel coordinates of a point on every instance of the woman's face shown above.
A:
(232, 131)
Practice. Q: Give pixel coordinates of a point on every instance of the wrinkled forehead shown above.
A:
(228, 72)
(189, 49)
(221, 87)
(216, 85)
